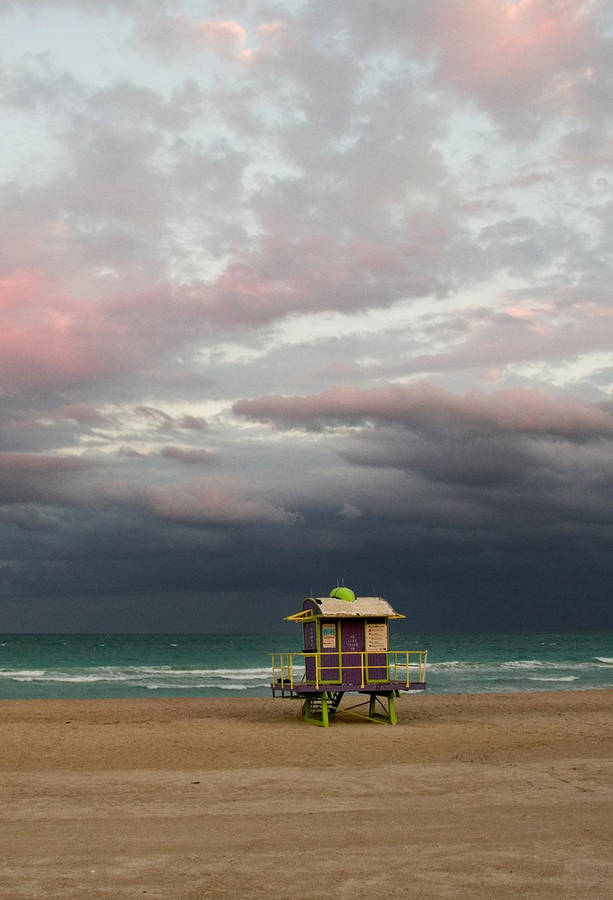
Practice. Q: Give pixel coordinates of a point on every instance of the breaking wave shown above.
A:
(554, 678)
(152, 678)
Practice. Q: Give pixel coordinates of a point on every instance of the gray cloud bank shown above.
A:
(298, 291)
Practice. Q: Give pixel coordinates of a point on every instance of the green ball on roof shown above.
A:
(343, 593)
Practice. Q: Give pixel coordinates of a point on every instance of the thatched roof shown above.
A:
(361, 607)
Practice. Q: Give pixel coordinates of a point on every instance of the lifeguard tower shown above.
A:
(346, 649)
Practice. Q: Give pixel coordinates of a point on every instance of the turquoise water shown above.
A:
(207, 665)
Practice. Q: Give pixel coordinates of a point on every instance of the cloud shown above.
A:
(190, 455)
(28, 518)
(513, 59)
(291, 209)
(511, 54)
(170, 35)
(349, 511)
(228, 39)
(157, 417)
(343, 233)
(158, 420)
(194, 423)
(425, 405)
(50, 339)
(94, 6)
(202, 504)
(82, 413)
(26, 478)
(552, 323)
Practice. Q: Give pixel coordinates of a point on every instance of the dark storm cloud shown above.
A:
(501, 462)
(477, 522)
(28, 478)
(513, 492)
(28, 517)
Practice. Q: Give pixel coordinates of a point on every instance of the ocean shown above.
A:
(209, 665)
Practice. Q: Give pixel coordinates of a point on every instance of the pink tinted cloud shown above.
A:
(48, 338)
(425, 404)
(540, 331)
(515, 42)
(316, 273)
(282, 277)
(169, 35)
(204, 503)
(506, 54)
(23, 465)
(226, 38)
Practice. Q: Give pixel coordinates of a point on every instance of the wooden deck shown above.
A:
(301, 689)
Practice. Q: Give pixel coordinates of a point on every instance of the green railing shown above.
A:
(405, 667)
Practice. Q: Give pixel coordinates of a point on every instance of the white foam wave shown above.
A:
(145, 676)
(553, 678)
(514, 670)
(605, 660)
(457, 666)
(22, 674)
(515, 664)
(508, 664)
(524, 664)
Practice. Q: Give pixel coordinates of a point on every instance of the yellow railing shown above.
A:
(404, 667)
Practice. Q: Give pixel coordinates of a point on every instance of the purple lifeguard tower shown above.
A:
(346, 649)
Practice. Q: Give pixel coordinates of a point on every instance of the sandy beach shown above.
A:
(477, 796)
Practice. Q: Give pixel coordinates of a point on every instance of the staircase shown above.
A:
(335, 700)
(317, 708)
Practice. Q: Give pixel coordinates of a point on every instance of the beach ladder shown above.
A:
(318, 707)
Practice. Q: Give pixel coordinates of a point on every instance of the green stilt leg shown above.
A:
(372, 707)
(392, 709)
(324, 710)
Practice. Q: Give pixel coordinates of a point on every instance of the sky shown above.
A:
(296, 293)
